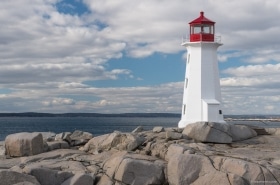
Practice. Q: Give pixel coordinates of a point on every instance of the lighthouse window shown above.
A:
(197, 29)
(220, 112)
(203, 28)
(184, 109)
(189, 55)
(186, 83)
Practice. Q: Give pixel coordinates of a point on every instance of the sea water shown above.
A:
(95, 125)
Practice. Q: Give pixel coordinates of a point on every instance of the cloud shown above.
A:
(161, 98)
(47, 55)
(261, 76)
(252, 89)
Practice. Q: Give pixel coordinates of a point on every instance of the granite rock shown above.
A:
(148, 157)
(213, 132)
(11, 177)
(24, 144)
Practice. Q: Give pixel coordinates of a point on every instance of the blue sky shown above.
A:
(125, 56)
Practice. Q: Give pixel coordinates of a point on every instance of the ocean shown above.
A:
(95, 125)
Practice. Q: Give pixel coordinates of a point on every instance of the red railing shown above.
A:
(202, 38)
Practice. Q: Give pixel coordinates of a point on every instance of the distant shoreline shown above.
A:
(35, 114)
(254, 117)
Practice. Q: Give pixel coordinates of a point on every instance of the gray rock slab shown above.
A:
(218, 132)
(64, 136)
(77, 135)
(2, 148)
(50, 177)
(55, 154)
(176, 149)
(58, 164)
(173, 135)
(11, 177)
(9, 163)
(158, 129)
(24, 183)
(116, 140)
(241, 132)
(208, 132)
(80, 179)
(24, 144)
(194, 169)
(140, 172)
(138, 129)
(47, 136)
(53, 145)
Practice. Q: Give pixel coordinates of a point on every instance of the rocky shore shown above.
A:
(200, 154)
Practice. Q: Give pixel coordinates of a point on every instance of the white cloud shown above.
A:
(162, 98)
(46, 55)
(254, 70)
(252, 89)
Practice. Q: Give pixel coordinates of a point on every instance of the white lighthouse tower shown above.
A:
(202, 93)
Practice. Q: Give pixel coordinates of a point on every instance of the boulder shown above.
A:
(140, 172)
(24, 183)
(241, 132)
(57, 145)
(8, 163)
(2, 148)
(249, 171)
(133, 169)
(79, 179)
(55, 164)
(158, 129)
(194, 169)
(173, 135)
(176, 149)
(24, 144)
(138, 129)
(79, 137)
(105, 180)
(48, 136)
(11, 177)
(50, 177)
(111, 164)
(213, 132)
(117, 140)
(208, 132)
(64, 136)
(268, 131)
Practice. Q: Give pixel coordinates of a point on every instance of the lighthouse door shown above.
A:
(210, 109)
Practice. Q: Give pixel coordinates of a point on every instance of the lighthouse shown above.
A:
(202, 93)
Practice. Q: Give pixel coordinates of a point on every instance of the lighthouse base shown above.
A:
(184, 123)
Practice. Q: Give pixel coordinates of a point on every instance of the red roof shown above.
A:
(202, 20)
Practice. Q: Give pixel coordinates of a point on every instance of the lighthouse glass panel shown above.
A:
(206, 29)
(202, 28)
(197, 29)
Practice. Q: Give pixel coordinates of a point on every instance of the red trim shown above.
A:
(202, 20)
(201, 37)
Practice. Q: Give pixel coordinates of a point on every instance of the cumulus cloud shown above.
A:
(47, 55)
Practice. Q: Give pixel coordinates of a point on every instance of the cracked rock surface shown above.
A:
(218, 132)
(168, 156)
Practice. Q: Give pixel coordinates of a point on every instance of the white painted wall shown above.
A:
(202, 96)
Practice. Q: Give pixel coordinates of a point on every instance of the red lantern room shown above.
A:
(202, 29)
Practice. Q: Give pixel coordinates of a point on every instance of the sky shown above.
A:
(122, 56)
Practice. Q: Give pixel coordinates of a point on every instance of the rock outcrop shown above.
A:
(12, 177)
(218, 132)
(160, 156)
(117, 140)
(24, 144)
